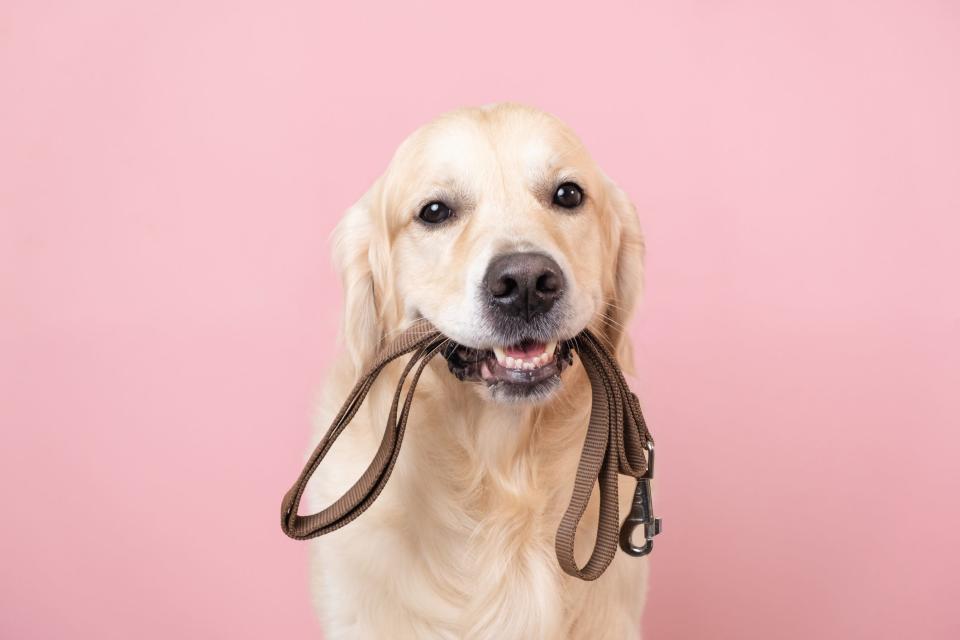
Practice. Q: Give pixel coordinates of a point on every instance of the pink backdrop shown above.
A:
(170, 172)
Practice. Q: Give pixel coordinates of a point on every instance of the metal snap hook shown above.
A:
(641, 512)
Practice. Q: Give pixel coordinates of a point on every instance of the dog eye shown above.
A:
(435, 212)
(568, 195)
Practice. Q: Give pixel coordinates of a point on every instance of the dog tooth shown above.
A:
(509, 362)
(550, 348)
(501, 356)
(527, 366)
(547, 357)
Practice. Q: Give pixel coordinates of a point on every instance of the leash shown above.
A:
(617, 442)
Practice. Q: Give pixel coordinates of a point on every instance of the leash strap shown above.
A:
(616, 441)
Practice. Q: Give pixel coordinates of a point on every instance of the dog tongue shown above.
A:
(525, 350)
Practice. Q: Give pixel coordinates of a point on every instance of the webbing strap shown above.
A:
(615, 443)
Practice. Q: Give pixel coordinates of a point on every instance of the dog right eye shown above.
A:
(435, 212)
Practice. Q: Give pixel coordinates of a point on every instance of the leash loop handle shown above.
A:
(423, 341)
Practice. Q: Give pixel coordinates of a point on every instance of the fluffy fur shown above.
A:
(460, 544)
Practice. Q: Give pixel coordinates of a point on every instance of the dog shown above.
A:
(494, 224)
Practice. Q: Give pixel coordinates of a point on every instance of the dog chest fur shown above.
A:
(460, 543)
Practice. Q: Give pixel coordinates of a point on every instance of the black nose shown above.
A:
(524, 284)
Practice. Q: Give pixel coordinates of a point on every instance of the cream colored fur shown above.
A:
(460, 544)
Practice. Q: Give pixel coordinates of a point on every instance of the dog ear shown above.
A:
(627, 285)
(354, 258)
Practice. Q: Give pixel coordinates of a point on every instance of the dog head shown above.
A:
(495, 225)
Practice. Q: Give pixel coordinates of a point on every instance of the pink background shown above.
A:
(169, 175)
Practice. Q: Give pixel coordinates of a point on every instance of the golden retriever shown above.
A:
(495, 225)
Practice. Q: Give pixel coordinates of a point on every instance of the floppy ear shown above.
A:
(354, 258)
(627, 285)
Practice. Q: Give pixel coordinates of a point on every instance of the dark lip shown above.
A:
(465, 363)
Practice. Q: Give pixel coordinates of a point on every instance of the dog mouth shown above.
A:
(523, 369)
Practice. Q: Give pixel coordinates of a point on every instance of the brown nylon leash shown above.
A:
(617, 442)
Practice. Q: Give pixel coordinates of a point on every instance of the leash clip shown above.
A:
(641, 512)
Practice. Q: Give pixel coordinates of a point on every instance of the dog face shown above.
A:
(496, 226)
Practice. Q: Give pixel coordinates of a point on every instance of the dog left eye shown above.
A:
(435, 212)
(568, 195)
